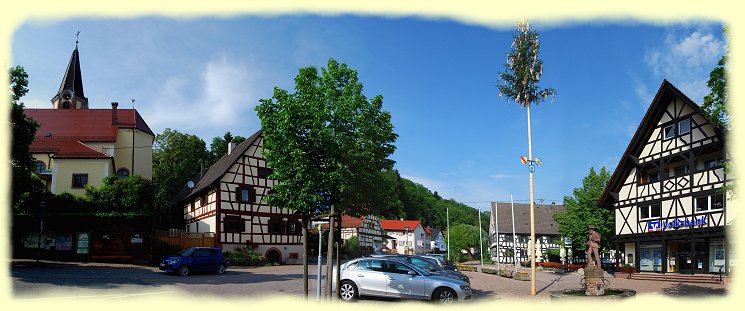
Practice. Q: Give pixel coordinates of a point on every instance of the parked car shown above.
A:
(431, 265)
(444, 263)
(387, 277)
(195, 259)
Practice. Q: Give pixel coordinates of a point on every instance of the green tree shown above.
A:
(219, 145)
(133, 194)
(326, 143)
(24, 130)
(582, 210)
(465, 237)
(176, 160)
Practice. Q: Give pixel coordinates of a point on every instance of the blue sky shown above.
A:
(204, 76)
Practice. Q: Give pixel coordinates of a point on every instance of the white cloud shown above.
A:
(221, 99)
(686, 61)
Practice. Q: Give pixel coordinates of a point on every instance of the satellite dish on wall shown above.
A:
(190, 184)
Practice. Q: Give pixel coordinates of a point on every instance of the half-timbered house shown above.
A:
(227, 200)
(666, 192)
(506, 248)
(367, 230)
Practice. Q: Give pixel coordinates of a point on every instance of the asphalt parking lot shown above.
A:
(57, 280)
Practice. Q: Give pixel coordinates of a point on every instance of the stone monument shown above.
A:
(594, 282)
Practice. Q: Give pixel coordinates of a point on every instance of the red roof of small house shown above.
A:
(427, 230)
(399, 225)
(350, 222)
(65, 131)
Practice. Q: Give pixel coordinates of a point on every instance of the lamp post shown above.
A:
(447, 217)
(42, 207)
(406, 248)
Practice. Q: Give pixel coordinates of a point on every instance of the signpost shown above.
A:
(319, 223)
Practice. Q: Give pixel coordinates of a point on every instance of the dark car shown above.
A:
(195, 259)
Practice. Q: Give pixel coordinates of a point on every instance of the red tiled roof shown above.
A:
(350, 222)
(88, 124)
(65, 148)
(65, 131)
(427, 230)
(399, 225)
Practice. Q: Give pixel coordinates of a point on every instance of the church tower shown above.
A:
(70, 95)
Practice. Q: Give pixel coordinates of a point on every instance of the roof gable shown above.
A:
(215, 172)
(652, 118)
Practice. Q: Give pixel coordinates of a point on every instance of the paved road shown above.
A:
(93, 281)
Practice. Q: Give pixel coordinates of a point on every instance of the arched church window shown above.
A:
(122, 173)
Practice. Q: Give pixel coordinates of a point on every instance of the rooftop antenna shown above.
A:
(77, 36)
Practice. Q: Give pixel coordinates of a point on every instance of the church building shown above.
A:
(76, 145)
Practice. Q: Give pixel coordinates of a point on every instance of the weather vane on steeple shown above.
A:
(77, 36)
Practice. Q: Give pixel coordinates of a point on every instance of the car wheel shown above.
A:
(347, 291)
(444, 295)
(183, 270)
(221, 269)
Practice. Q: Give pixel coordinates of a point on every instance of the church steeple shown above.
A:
(70, 94)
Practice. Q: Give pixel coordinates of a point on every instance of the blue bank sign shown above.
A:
(658, 225)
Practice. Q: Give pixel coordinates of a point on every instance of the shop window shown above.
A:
(652, 211)
(234, 224)
(79, 180)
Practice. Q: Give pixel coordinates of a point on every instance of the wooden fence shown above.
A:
(186, 239)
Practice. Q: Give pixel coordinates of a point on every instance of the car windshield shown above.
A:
(186, 252)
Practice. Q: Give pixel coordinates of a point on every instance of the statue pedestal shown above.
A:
(594, 281)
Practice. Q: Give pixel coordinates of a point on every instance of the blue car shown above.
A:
(195, 259)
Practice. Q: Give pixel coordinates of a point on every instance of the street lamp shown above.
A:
(406, 231)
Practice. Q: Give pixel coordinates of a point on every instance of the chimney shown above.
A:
(113, 112)
(231, 146)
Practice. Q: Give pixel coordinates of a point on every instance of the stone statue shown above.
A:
(593, 244)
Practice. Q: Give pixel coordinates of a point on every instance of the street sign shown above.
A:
(538, 161)
(531, 168)
(319, 222)
(524, 159)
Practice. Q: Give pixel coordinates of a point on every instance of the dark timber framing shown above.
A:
(686, 167)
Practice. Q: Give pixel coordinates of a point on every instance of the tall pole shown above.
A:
(496, 229)
(481, 242)
(406, 249)
(514, 246)
(532, 213)
(318, 276)
(447, 217)
(330, 254)
(305, 257)
(134, 124)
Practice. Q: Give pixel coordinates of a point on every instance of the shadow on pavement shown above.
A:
(688, 290)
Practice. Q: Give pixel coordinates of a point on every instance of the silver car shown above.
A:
(392, 278)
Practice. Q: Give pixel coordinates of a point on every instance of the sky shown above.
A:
(205, 76)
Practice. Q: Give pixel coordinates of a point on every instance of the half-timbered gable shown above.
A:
(229, 200)
(670, 212)
(367, 230)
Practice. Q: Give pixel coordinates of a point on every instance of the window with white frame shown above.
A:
(651, 211)
(684, 126)
(669, 131)
(709, 202)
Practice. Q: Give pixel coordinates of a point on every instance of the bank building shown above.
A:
(667, 195)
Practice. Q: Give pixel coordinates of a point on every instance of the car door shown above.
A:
(201, 260)
(370, 278)
(401, 283)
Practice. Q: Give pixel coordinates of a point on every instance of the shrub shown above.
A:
(245, 257)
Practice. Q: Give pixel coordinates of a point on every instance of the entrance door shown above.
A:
(693, 260)
(650, 258)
